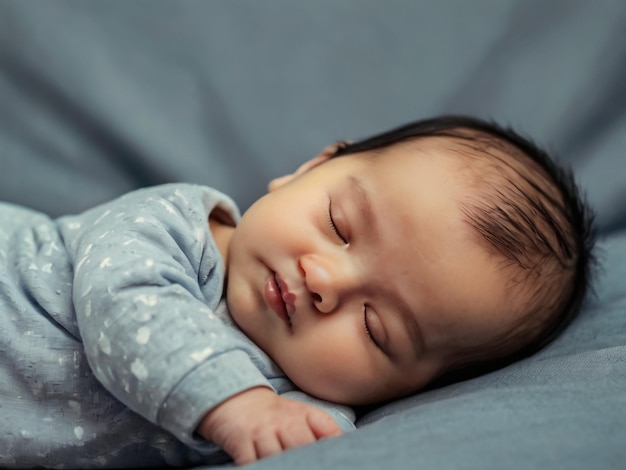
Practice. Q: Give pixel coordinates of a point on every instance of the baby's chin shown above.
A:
(236, 307)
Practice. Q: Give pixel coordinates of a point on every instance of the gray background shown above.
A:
(101, 97)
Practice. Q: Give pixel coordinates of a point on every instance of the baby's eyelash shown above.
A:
(370, 336)
(333, 226)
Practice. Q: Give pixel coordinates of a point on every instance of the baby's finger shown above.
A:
(267, 445)
(244, 453)
(323, 425)
(296, 437)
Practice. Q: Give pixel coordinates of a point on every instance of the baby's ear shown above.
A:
(324, 155)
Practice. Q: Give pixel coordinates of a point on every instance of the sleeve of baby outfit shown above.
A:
(144, 292)
(343, 415)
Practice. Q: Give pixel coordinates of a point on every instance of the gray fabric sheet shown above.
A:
(97, 98)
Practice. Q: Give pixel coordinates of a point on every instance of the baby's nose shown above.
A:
(326, 281)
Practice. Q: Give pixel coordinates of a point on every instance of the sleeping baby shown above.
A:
(163, 329)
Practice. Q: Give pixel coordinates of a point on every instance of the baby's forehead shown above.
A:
(489, 166)
(507, 199)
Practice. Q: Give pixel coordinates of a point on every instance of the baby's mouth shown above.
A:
(289, 298)
(274, 298)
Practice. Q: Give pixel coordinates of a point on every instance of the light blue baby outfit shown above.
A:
(114, 341)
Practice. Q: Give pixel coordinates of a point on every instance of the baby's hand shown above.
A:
(258, 423)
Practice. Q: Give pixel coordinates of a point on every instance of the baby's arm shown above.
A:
(258, 423)
(142, 283)
(141, 295)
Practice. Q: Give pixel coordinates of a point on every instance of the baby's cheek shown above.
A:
(331, 370)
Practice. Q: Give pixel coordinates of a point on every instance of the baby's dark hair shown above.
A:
(530, 214)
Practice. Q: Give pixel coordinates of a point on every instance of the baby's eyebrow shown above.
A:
(364, 205)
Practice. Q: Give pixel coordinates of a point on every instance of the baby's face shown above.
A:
(360, 278)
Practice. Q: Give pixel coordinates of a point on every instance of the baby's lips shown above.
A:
(288, 297)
